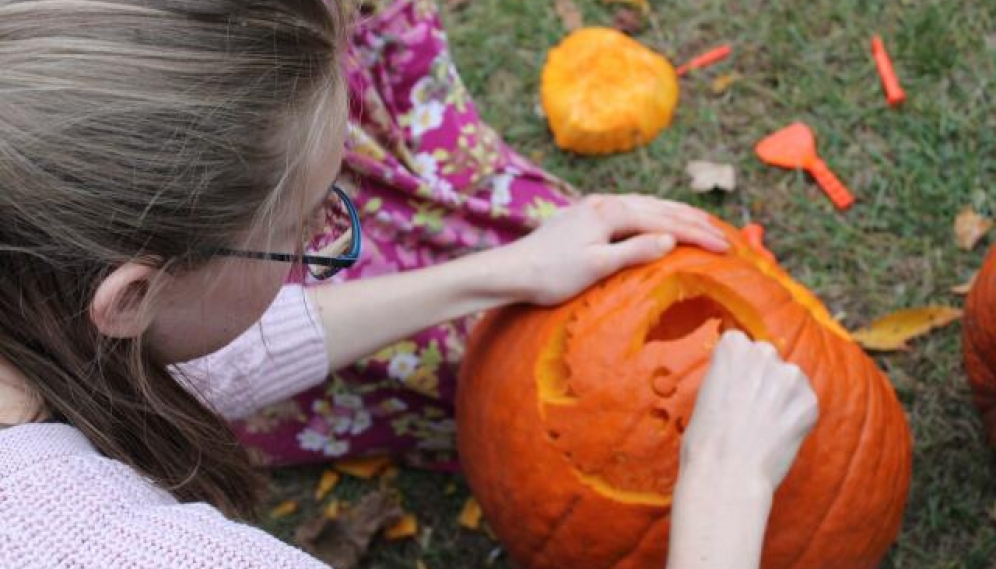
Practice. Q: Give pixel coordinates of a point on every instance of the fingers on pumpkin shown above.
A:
(635, 251)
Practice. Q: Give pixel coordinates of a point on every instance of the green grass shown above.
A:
(913, 169)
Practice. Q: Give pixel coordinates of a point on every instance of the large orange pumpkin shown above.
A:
(979, 333)
(570, 418)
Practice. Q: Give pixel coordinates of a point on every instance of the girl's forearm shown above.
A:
(718, 522)
(363, 316)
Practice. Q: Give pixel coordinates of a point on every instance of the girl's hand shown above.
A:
(751, 415)
(600, 235)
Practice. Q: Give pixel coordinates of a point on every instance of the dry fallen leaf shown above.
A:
(470, 516)
(342, 542)
(707, 176)
(569, 13)
(722, 83)
(965, 287)
(642, 5)
(332, 510)
(365, 468)
(283, 509)
(891, 332)
(970, 227)
(325, 485)
(628, 21)
(407, 526)
(421, 565)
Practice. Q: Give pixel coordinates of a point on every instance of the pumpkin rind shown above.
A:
(570, 418)
(604, 92)
(979, 342)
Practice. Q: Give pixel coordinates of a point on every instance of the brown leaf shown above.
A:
(325, 485)
(642, 5)
(965, 287)
(628, 21)
(891, 332)
(707, 176)
(283, 509)
(970, 227)
(454, 5)
(342, 542)
(569, 13)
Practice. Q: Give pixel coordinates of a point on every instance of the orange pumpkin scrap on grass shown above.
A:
(605, 92)
(570, 418)
(979, 346)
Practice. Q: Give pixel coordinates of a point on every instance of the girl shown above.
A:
(160, 162)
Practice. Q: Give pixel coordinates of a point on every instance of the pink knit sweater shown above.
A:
(64, 505)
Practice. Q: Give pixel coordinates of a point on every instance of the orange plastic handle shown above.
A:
(754, 234)
(894, 93)
(834, 188)
(708, 58)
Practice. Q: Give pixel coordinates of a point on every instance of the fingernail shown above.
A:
(666, 242)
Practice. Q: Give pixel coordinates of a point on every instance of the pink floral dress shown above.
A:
(432, 182)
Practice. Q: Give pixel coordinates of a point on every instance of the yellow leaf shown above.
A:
(893, 331)
(332, 510)
(407, 526)
(722, 83)
(284, 509)
(470, 517)
(965, 287)
(328, 481)
(970, 227)
(420, 565)
(641, 5)
(366, 467)
(569, 13)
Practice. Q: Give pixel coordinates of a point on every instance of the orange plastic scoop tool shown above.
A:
(795, 147)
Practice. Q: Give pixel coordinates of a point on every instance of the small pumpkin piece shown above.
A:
(365, 467)
(470, 516)
(326, 484)
(332, 510)
(605, 92)
(407, 526)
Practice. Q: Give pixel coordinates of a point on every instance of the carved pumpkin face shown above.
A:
(604, 92)
(979, 346)
(570, 419)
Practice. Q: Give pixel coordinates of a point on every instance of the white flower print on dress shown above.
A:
(501, 189)
(427, 117)
(402, 366)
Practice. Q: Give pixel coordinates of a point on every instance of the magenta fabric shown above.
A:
(432, 182)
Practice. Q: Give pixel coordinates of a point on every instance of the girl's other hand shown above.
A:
(751, 414)
(599, 236)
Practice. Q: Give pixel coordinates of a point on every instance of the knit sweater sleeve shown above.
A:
(63, 505)
(280, 356)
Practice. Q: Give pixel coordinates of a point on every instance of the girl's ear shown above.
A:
(121, 307)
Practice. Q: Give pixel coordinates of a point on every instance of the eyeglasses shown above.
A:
(332, 239)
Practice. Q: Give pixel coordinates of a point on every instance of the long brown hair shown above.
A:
(144, 129)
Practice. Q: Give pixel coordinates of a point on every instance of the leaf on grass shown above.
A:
(722, 83)
(707, 176)
(470, 516)
(365, 468)
(342, 542)
(421, 565)
(970, 227)
(891, 332)
(965, 287)
(628, 21)
(283, 509)
(326, 484)
(642, 5)
(569, 14)
(407, 526)
(332, 510)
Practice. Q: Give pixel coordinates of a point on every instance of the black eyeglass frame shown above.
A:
(337, 263)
